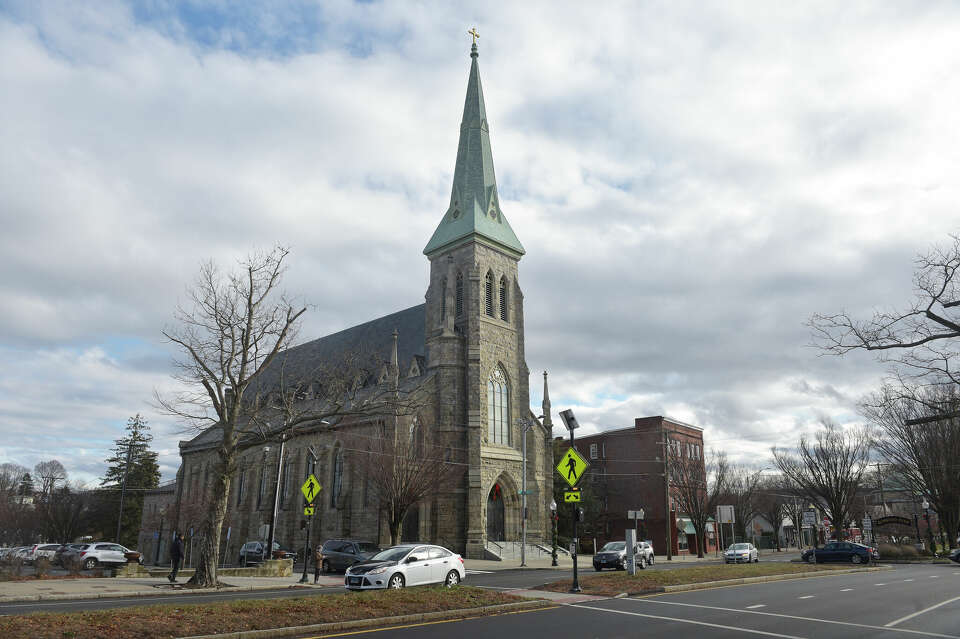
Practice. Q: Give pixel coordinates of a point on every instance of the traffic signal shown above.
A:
(580, 514)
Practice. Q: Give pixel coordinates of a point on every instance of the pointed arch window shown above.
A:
(337, 476)
(498, 408)
(503, 298)
(488, 288)
(459, 294)
(443, 299)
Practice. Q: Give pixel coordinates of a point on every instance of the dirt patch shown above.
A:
(172, 620)
(651, 581)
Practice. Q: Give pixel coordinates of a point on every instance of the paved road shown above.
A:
(909, 602)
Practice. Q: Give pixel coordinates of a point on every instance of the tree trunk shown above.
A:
(209, 544)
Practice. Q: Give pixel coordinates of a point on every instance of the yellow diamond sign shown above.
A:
(310, 488)
(572, 466)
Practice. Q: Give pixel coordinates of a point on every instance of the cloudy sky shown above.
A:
(690, 181)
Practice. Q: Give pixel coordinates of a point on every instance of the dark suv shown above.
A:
(340, 554)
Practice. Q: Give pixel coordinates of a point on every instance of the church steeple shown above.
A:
(474, 211)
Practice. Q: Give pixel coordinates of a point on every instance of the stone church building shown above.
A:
(465, 347)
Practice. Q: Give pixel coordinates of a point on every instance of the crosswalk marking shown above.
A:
(908, 579)
(807, 597)
(756, 606)
(846, 589)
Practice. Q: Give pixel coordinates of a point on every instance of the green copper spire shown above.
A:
(474, 211)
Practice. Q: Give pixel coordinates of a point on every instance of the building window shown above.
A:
(593, 451)
(503, 298)
(337, 479)
(284, 482)
(459, 294)
(488, 288)
(443, 299)
(498, 407)
(261, 488)
(240, 479)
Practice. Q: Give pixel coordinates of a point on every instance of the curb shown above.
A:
(145, 593)
(756, 580)
(383, 621)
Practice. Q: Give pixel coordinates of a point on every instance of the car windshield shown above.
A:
(393, 554)
(615, 545)
(366, 546)
(739, 547)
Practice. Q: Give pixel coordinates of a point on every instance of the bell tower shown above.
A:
(474, 325)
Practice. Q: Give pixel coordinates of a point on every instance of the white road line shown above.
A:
(807, 597)
(908, 579)
(920, 612)
(879, 584)
(775, 614)
(846, 589)
(690, 621)
(934, 576)
(756, 606)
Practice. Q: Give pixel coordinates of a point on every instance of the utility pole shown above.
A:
(276, 499)
(883, 502)
(666, 494)
(123, 488)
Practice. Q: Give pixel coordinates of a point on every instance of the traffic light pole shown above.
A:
(576, 541)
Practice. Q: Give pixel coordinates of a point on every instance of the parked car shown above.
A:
(841, 551)
(40, 550)
(340, 554)
(741, 552)
(255, 552)
(102, 554)
(954, 555)
(63, 553)
(406, 565)
(646, 549)
(614, 555)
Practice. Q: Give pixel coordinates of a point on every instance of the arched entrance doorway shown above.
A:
(496, 514)
(411, 525)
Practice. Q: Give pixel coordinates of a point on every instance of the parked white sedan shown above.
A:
(406, 565)
(741, 552)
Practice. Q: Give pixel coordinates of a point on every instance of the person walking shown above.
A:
(176, 555)
(317, 562)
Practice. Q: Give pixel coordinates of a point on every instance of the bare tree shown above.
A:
(52, 475)
(233, 339)
(919, 340)
(924, 454)
(829, 469)
(741, 493)
(406, 467)
(698, 485)
(10, 477)
(773, 500)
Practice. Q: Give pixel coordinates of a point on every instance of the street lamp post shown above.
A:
(926, 517)
(156, 556)
(526, 425)
(553, 521)
(276, 496)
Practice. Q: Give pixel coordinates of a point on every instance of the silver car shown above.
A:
(406, 565)
(737, 553)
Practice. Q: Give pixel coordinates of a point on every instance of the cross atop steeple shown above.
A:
(475, 35)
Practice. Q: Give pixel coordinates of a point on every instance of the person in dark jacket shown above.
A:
(176, 555)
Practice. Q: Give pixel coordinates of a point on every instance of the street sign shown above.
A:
(310, 488)
(571, 496)
(725, 513)
(572, 467)
(308, 511)
(809, 518)
(635, 514)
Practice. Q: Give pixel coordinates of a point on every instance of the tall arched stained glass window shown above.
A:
(498, 408)
(337, 476)
(443, 299)
(459, 294)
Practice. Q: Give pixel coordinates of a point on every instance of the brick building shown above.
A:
(627, 472)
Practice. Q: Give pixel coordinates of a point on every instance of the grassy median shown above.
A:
(172, 620)
(652, 580)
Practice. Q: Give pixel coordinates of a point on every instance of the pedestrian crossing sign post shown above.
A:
(572, 466)
(571, 496)
(311, 488)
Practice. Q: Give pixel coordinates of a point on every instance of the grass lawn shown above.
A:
(172, 620)
(651, 580)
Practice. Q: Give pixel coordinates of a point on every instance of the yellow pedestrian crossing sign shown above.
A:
(310, 488)
(308, 511)
(572, 466)
(571, 496)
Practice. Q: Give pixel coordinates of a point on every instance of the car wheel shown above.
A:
(453, 578)
(396, 582)
(756, 559)
(597, 568)
(812, 558)
(642, 564)
(856, 559)
(90, 564)
(325, 566)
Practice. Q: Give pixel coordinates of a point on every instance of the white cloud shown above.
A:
(691, 182)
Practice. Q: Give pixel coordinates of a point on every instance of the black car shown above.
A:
(954, 555)
(614, 555)
(846, 551)
(340, 554)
